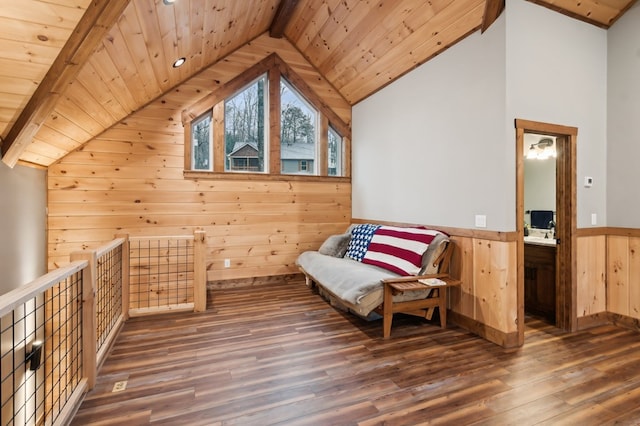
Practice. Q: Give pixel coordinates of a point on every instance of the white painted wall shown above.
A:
(557, 73)
(438, 145)
(623, 112)
(22, 225)
(430, 147)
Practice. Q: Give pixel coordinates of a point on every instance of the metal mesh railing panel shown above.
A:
(161, 272)
(55, 319)
(108, 293)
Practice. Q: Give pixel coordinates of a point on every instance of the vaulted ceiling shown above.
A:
(70, 69)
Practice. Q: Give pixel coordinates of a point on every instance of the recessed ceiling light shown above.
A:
(168, 1)
(179, 62)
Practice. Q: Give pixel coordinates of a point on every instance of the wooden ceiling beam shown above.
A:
(588, 17)
(492, 10)
(282, 17)
(97, 20)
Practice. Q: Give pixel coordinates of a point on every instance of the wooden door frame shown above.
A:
(566, 269)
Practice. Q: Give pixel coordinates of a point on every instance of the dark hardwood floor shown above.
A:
(281, 355)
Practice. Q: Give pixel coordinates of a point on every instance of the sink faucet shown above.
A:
(552, 227)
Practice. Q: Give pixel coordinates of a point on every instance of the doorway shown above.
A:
(540, 155)
(565, 223)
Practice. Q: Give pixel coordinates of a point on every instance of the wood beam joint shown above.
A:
(282, 17)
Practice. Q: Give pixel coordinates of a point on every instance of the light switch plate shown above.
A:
(481, 221)
(594, 219)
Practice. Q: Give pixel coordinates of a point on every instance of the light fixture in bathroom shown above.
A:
(542, 150)
(168, 2)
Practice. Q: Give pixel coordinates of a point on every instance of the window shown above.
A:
(244, 135)
(268, 121)
(298, 123)
(334, 144)
(201, 143)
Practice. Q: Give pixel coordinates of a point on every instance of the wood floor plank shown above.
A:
(280, 355)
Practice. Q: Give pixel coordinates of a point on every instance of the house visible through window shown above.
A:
(298, 123)
(244, 157)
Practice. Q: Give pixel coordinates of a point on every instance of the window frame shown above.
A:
(276, 69)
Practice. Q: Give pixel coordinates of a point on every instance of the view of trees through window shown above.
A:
(241, 130)
(298, 121)
(335, 153)
(244, 119)
(201, 143)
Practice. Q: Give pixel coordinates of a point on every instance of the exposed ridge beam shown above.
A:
(492, 10)
(99, 17)
(282, 17)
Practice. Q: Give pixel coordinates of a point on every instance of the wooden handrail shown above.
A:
(10, 300)
(164, 237)
(100, 251)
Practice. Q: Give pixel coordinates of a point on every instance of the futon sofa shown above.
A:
(351, 270)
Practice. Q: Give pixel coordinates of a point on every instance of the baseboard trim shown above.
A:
(624, 321)
(604, 318)
(506, 340)
(593, 320)
(254, 281)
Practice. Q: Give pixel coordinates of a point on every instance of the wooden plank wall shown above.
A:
(130, 180)
(591, 280)
(623, 275)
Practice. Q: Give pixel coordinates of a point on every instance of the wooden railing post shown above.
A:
(89, 350)
(125, 275)
(199, 271)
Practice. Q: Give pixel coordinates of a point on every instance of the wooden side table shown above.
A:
(423, 308)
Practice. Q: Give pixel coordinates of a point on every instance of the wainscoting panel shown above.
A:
(486, 302)
(623, 275)
(591, 280)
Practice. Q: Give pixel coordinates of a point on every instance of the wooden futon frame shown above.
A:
(422, 307)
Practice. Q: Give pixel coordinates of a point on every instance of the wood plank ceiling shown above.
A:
(86, 86)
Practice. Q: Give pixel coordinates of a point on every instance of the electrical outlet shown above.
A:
(119, 386)
(227, 263)
(481, 221)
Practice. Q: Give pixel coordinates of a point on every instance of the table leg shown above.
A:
(387, 311)
(442, 306)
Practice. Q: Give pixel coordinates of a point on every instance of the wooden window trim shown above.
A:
(203, 175)
(275, 68)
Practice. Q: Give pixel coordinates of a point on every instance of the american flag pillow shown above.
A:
(399, 250)
(361, 236)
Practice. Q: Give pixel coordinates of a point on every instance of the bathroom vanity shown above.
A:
(540, 277)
